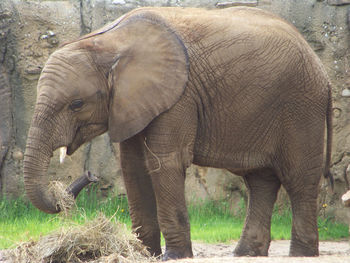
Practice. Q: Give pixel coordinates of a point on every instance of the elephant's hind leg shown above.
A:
(141, 199)
(303, 195)
(302, 169)
(304, 241)
(262, 188)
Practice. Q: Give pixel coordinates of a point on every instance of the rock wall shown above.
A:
(31, 30)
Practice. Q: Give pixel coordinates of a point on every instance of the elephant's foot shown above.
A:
(177, 254)
(151, 240)
(155, 252)
(251, 248)
(299, 249)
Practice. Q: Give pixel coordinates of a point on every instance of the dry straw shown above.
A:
(64, 200)
(100, 240)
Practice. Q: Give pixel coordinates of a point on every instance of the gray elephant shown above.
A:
(238, 89)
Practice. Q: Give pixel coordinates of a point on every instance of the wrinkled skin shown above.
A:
(238, 89)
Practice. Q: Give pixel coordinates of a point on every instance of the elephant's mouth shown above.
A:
(73, 147)
(83, 134)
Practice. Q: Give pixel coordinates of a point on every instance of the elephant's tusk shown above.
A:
(63, 153)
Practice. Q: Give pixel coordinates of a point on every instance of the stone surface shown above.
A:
(6, 125)
(31, 30)
(346, 199)
(225, 4)
(5, 115)
(339, 2)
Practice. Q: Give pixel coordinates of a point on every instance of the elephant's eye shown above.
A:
(76, 105)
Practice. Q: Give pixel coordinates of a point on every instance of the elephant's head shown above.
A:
(117, 79)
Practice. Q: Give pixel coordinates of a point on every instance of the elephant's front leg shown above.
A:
(168, 184)
(141, 199)
(262, 189)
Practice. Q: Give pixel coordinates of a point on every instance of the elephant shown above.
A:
(238, 89)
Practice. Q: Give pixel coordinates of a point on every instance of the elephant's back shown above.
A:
(251, 39)
(240, 29)
(242, 45)
(186, 21)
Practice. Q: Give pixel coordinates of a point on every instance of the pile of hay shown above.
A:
(100, 240)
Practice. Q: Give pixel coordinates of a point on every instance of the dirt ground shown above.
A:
(330, 252)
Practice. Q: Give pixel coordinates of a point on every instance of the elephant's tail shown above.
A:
(329, 121)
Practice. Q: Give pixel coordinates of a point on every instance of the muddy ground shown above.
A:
(330, 252)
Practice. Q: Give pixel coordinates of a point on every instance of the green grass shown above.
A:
(211, 222)
(328, 229)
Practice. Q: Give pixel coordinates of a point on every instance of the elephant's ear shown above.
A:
(148, 77)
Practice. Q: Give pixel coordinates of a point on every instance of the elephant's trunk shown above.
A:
(36, 162)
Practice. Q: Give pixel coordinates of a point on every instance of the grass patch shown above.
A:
(328, 228)
(20, 221)
(211, 222)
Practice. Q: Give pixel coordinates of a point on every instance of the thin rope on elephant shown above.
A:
(155, 156)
